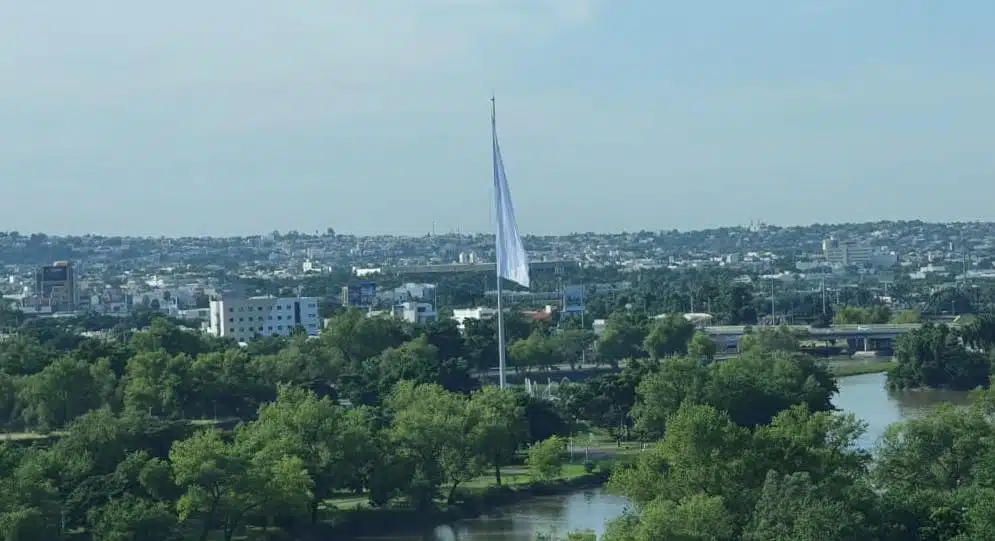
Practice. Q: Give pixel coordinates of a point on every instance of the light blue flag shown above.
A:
(512, 262)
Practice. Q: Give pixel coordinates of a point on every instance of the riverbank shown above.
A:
(473, 501)
(843, 369)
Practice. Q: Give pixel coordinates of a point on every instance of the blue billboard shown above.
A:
(361, 294)
(573, 299)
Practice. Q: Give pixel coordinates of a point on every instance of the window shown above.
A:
(260, 308)
(231, 320)
(270, 318)
(279, 327)
(278, 307)
(231, 309)
(279, 317)
(271, 327)
(241, 319)
(241, 329)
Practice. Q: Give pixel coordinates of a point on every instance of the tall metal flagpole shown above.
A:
(497, 253)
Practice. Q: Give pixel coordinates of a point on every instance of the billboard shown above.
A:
(361, 294)
(573, 299)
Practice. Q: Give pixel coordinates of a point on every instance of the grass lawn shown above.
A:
(511, 476)
(856, 368)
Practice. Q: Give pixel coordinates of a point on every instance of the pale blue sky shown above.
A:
(244, 116)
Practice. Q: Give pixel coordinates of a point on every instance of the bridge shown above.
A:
(869, 337)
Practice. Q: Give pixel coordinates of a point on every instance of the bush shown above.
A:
(546, 458)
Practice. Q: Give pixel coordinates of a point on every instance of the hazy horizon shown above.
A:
(224, 118)
(440, 233)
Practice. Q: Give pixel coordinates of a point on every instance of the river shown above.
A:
(864, 396)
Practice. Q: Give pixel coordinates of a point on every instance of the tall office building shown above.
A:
(57, 287)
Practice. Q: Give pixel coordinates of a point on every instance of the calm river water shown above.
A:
(864, 396)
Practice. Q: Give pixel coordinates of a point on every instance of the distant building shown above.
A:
(599, 326)
(416, 312)
(56, 287)
(195, 314)
(460, 315)
(245, 318)
(409, 292)
(846, 254)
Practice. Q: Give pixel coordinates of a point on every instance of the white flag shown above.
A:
(512, 263)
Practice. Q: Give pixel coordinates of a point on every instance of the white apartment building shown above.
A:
(847, 253)
(415, 312)
(460, 315)
(245, 318)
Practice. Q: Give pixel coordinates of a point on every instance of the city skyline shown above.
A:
(192, 119)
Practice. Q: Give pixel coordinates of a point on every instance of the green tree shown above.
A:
(623, 338)
(357, 337)
(435, 430)
(546, 458)
(64, 390)
(224, 484)
(702, 347)
(419, 362)
(155, 381)
(335, 445)
(697, 518)
(934, 356)
(570, 345)
(906, 317)
(134, 519)
(536, 351)
(938, 451)
(781, 338)
(500, 426)
(669, 336)
(791, 508)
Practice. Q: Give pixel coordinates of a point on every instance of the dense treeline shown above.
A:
(938, 356)
(802, 476)
(372, 407)
(750, 449)
(745, 448)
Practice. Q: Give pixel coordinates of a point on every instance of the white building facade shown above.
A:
(460, 315)
(846, 253)
(415, 312)
(246, 318)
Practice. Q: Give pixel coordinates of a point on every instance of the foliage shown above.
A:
(163, 434)
(546, 458)
(669, 336)
(935, 356)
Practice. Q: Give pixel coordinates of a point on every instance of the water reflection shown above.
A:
(866, 397)
(586, 510)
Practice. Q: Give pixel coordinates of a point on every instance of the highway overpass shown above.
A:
(866, 337)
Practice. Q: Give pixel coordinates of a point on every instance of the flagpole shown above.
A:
(497, 259)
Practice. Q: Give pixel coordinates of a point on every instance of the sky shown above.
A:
(247, 116)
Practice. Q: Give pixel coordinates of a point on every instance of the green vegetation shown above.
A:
(937, 356)
(168, 434)
(716, 474)
(165, 434)
(856, 368)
